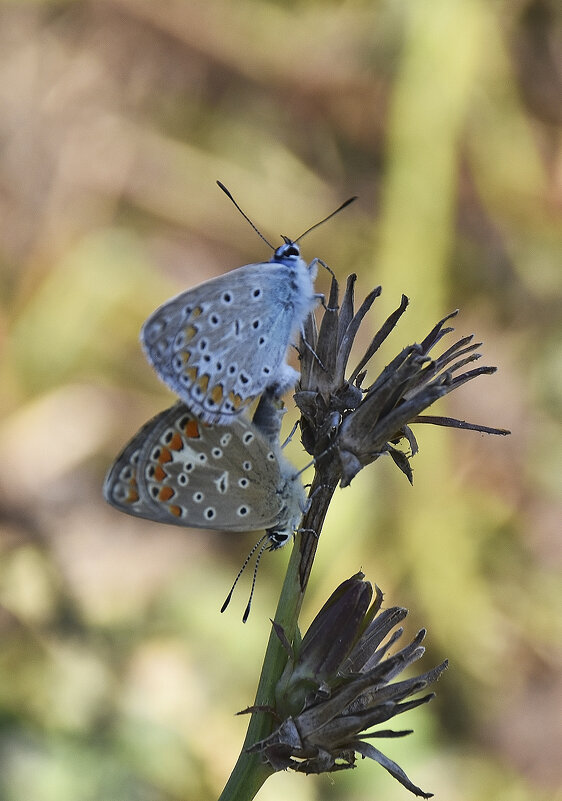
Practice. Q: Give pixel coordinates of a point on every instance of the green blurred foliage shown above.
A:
(118, 678)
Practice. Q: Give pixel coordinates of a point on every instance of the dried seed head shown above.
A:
(360, 424)
(340, 684)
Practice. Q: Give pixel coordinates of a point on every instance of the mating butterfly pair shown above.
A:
(218, 346)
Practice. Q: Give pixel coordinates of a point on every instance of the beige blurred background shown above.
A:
(119, 679)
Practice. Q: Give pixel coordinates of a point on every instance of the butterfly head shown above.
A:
(278, 536)
(290, 516)
(287, 253)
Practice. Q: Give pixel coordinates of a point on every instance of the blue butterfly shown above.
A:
(221, 344)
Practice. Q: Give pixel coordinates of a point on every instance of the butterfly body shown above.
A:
(222, 343)
(182, 471)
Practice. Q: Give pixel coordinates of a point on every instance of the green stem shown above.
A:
(250, 772)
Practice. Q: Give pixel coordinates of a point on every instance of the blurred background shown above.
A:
(119, 679)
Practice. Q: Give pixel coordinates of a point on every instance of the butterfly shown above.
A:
(222, 343)
(180, 470)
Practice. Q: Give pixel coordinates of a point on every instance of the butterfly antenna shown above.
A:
(329, 217)
(291, 435)
(242, 569)
(243, 213)
(260, 554)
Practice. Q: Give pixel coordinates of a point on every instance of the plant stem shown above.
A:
(250, 772)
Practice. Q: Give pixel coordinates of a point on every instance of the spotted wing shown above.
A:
(219, 345)
(181, 471)
(121, 487)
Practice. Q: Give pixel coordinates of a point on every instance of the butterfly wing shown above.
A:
(181, 471)
(121, 487)
(220, 344)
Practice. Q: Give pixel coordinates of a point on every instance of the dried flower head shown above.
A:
(338, 684)
(360, 424)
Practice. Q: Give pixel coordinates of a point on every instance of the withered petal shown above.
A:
(368, 750)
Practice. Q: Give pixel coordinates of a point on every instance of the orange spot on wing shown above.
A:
(165, 494)
(176, 443)
(174, 510)
(196, 311)
(159, 473)
(192, 429)
(204, 382)
(216, 394)
(165, 456)
(133, 495)
(236, 400)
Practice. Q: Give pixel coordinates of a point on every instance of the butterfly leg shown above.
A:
(308, 531)
(319, 488)
(309, 347)
(320, 297)
(325, 266)
(291, 435)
